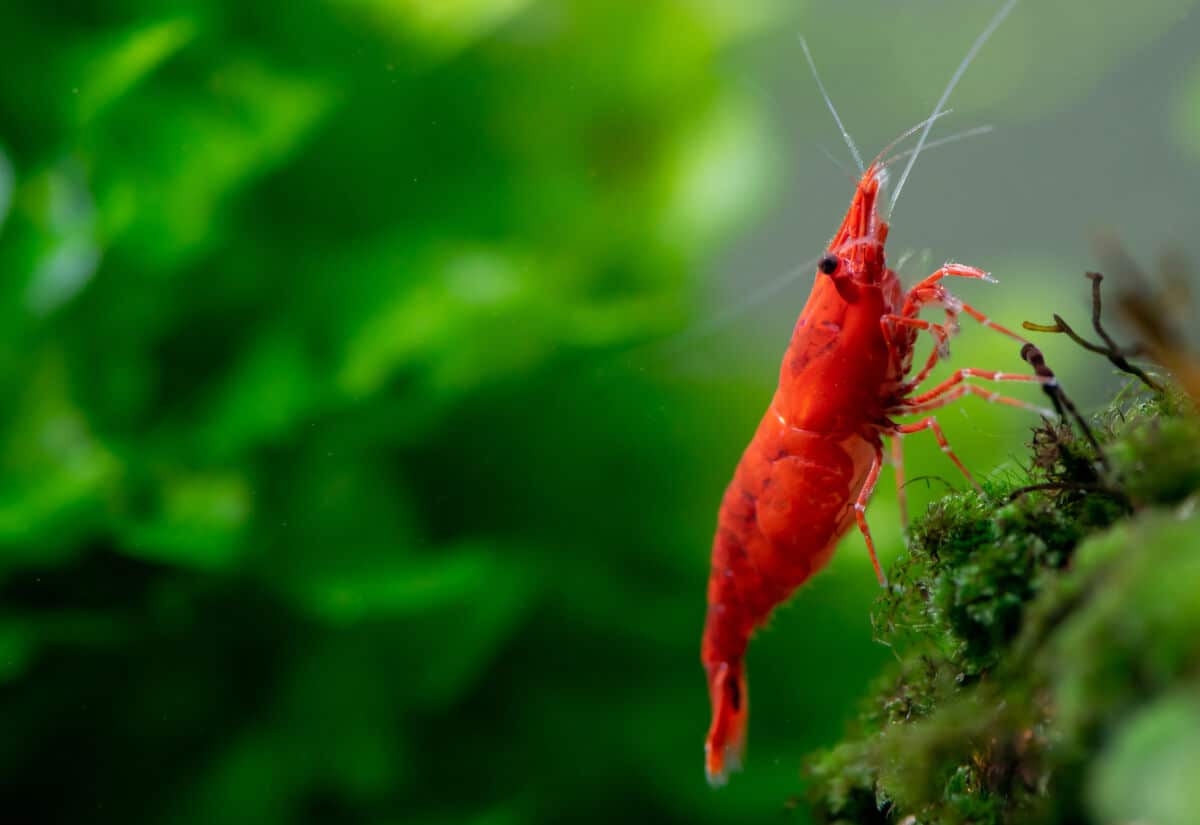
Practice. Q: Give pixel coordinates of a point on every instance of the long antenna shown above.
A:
(841, 167)
(958, 73)
(828, 102)
(675, 345)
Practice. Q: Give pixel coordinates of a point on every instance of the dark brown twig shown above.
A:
(1094, 487)
(1062, 404)
(1118, 356)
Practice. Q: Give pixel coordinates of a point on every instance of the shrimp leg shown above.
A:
(929, 286)
(951, 395)
(930, 292)
(860, 510)
(960, 376)
(899, 432)
(898, 468)
(930, 423)
(941, 334)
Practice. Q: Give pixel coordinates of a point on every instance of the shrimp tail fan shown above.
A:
(723, 749)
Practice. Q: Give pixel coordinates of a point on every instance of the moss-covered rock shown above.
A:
(1048, 644)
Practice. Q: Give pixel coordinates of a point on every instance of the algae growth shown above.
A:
(1047, 638)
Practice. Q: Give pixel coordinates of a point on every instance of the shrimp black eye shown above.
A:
(828, 264)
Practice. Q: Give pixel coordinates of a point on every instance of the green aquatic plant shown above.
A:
(1047, 636)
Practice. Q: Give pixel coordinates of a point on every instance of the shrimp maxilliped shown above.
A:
(816, 456)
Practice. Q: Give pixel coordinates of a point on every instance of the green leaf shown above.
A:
(405, 587)
(115, 63)
(270, 389)
(195, 520)
(198, 146)
(443, 27)
(65, 251)
(55, 471)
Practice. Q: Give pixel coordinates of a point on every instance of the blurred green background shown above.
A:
(372, 371)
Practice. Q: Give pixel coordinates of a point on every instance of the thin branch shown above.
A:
(1111, 350)
(1093, 487)
(1064, 405)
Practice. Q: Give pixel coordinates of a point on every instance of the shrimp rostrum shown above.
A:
(814, 460)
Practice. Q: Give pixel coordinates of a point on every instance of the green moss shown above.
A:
(1032, 627)
(1159, 459)
(847, 785)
